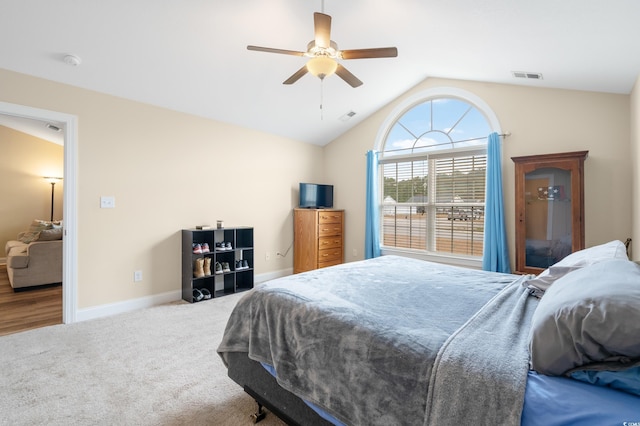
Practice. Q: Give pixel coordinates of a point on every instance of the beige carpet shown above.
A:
(156, 366)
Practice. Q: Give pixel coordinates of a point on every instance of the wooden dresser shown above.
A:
(318, 239)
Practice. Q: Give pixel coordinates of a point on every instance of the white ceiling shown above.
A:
(35, 128)
(191, 56)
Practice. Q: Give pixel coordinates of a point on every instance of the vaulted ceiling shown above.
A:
(191, 55)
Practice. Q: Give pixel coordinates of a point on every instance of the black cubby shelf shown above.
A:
(237, 278)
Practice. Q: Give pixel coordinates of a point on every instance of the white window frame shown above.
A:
(392, 118)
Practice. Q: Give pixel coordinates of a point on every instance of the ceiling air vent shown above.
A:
(528, 75)
(347, 116)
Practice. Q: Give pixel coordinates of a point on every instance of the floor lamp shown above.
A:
(52, 181)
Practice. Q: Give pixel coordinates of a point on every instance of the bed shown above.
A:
(394, 341)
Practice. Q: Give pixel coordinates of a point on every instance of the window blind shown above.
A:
(435, 203)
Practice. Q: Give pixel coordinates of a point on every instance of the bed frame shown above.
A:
(264, 389)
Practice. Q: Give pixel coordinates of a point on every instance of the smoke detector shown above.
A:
(72, 60)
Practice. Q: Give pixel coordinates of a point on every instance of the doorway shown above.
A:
(69, 264)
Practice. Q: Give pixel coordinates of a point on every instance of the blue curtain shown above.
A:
(372, 221)
(496, 252)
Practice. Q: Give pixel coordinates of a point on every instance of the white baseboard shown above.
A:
(272, 275)
(158, 299)
(127, 305)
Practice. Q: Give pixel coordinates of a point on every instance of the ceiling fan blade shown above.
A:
(380, 52)
(296, 76)
(271, 50)
(322, 27)
(344, 74)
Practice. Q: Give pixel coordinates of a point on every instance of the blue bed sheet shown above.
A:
(554, 401)
(560, 401)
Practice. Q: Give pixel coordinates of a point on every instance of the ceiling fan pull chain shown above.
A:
(321, 99)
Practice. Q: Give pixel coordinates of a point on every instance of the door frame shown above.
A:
(69, 126)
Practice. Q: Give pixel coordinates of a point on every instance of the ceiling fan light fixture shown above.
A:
(322, 66)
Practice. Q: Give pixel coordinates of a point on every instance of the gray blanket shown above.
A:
(480, 374)
(361, 339)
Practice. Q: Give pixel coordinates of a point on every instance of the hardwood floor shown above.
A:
(25, 310)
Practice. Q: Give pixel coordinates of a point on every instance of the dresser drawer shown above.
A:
(330, 242)
(330, 217)
(328, 255)
(329, 229)
(329, 263)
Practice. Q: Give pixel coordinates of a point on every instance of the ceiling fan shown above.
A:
(324, 54)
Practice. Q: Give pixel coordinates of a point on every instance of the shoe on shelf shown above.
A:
(219, 246)
(219, 268)
(197, 295)
(245, 264)
(206, 294)
(225, 267)
(198, 268)
(228, 246)
(205, 247)
(197, 248)
(207, 266)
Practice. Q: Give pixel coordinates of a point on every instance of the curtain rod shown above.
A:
(504, 135)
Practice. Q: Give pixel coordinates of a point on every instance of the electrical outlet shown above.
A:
(137, 276)
(267, 256)
(107, 202)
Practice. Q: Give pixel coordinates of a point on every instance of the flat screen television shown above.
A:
(316, 196)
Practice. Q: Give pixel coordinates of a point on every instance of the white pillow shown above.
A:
(589, 256)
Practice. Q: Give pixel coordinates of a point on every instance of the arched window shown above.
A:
(433, 165)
